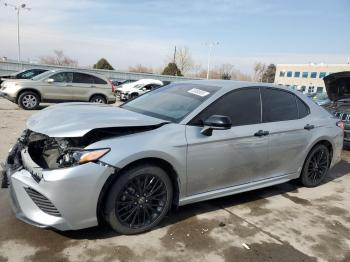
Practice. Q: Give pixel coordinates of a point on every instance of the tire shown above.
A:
(134, 95)
(28, 100)
(129, 209)
(316, 166)
(98, 99)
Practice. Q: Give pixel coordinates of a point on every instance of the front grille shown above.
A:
(42, 202)
(342, 116)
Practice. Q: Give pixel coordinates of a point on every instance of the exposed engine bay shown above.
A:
(57, 152)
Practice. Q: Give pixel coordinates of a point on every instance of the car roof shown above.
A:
(77, 71)
(229, 84)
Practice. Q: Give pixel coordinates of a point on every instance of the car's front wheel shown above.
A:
(98, 99)
(28, 100)
(139, 199)
(316, 166)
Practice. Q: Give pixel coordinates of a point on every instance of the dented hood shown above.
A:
(77, 119)
(338, 85)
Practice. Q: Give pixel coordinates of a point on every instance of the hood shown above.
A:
(77, 119)
(338, 86)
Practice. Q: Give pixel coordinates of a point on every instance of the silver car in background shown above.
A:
(58, 86)
(77, 164)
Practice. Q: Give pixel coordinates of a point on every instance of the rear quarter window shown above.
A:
(303, 109)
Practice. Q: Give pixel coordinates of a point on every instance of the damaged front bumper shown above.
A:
(65, 198)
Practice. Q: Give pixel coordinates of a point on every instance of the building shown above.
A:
(307, 78)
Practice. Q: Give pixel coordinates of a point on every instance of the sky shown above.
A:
(130, 32)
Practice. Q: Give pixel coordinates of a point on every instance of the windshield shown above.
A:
(43, 75)
(172, 102)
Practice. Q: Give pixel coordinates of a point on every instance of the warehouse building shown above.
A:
(307, 78)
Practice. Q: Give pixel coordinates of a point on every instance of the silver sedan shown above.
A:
(78, 164)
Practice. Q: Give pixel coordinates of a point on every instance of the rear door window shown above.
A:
(64, 77)
(278, 105)
(242, 106)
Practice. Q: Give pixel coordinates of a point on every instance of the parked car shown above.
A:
(25, 74)
(118, 82)
(132, 90)
(77, 164)
(321, 99)
(338, 91)
(58, 86)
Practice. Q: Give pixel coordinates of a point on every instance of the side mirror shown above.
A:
(143, 88)
(216, 122)
(50, 80)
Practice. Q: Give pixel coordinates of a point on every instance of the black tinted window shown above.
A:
(242, 106)
(82, 78)
(98, 81)
(63, 77)
(302, 108)
(278, 105)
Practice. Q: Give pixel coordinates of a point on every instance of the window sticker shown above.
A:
(198, 92)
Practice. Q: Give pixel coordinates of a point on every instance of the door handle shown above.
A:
(68, 85)
(309, 127)
(262, 133)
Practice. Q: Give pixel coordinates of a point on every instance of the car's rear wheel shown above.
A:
(98, 99)
(316, 166)
(139, 199)
(28, 100)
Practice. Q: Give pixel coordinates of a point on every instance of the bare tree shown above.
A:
(182, 58)
(58, 59)
(259, 70)
(140, 69)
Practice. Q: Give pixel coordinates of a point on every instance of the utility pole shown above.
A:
(210, 46)
(18, 9)
(174, 59)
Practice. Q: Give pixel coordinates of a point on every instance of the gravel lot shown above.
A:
(280, 223)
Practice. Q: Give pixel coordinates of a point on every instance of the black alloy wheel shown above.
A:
(316, 166)
(139, 199)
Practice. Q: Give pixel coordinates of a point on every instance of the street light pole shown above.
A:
(210, 46)
(18, 8)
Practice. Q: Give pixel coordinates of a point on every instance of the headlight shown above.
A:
(80, 157)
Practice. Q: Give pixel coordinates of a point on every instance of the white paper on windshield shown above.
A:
(198, 92)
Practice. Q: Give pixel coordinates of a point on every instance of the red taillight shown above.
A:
(113, 86)
(340, 124)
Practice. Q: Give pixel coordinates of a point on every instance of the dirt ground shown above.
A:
(280, 223)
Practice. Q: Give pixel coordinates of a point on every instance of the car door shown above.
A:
(60, 88)
(82, 86)
(287, 119)
(227, 157)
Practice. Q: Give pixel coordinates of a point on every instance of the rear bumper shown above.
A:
(72, 194)
(111, 100)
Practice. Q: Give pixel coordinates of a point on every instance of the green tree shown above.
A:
(103, 64)
(269, 74)
(172, 70)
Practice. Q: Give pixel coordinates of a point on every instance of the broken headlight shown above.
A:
(81, 156)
